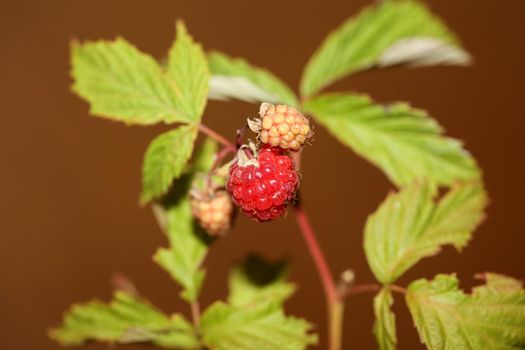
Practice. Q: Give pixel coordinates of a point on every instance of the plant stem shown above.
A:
(398, 289)
(335, 306)
(315, 251)
(215, 135)
(220, 156)
(335, 324)
(240, 135)
(196, 314)
(362, 288)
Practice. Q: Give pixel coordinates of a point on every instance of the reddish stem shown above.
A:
(215, 135)
(362, 288)
(218, 159)
(398, 289)
(195, 314)
(240, 135)
(220, 156)
(334, 303)
(371, 287)
(315, 250)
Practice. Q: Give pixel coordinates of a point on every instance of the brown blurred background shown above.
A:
(69, 216)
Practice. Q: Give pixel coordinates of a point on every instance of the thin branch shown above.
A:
(220, 156)
(240, 136)
(316, 252)
(334, 303)
(215, 135)
(196, 314)
(398, 289)
(361, 288)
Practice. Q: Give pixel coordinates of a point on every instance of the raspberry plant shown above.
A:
(186, 190)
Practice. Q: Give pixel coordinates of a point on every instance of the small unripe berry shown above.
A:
(263, 186)
(282, 126)
(213, 212)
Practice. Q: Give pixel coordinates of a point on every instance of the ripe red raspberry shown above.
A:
(263, 186)
(281, 126)
(213, 212)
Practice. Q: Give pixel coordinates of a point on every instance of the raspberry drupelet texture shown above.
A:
(264, 189)
(214, 213)
(283, 126)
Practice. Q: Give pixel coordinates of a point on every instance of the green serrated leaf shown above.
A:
(188, 74)
(126, 319)
(188, 242)
(122, 83)
(258, 326)
(409, 226)
(491, 318)
(165, 159)
(389, 33)
(257, 280)
(404, 142)
(188, 246)
(235, 78)
(385, 324)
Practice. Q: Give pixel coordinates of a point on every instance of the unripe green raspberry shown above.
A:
(282, 126)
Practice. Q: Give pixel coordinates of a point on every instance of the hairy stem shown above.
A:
(335, 306)
(215, 135)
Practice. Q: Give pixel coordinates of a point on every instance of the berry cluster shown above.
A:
(263, 186)
(262, 182)
(213, 212)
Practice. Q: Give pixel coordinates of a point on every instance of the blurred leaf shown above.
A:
(188, 73)
(165, 159)
(491, 318)
(257, 280)
(188, 242)
(235, 78)
(409, 226)
(188, 248)
(389, 33)
(205, 157)
(253, 317)
(257, 326)
(385, 324)
(126, 319)
(404, 142)
(122, 83)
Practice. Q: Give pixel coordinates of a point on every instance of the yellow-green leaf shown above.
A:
(404, 142)
(257, 326)
(491, 318)
(188, 243)
(188, 74)
(122, 83)
(410, 225)
(165, 159)
(385, 324)
(257, 280)
(127, 319)
(235, 78)
(389, 33)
